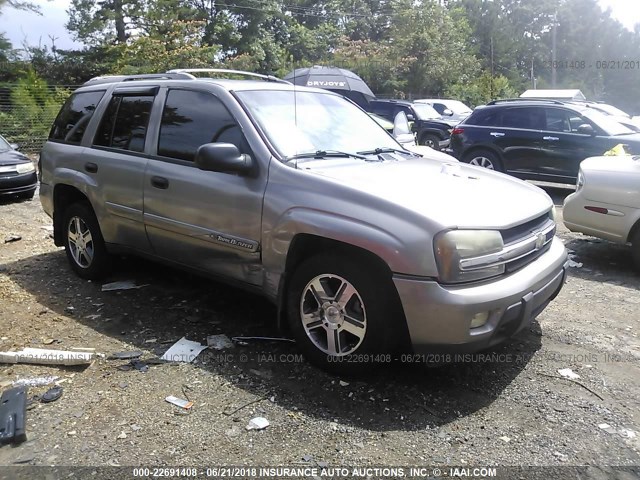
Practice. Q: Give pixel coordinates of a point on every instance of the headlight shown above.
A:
(453, 246)
(25, 168)
(580, 182)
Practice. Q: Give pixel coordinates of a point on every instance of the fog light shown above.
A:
(479, 319)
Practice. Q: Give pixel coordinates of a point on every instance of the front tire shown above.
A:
(83, 242)
(342, 314)
(430, 140)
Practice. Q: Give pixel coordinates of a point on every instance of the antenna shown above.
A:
(295, 102)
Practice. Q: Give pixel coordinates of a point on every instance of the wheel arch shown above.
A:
(304, 245)
(478, 148)
(63, 196)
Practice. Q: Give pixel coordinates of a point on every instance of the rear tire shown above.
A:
(83, 242)
(485, 159)
(635, 248)
(343, 316)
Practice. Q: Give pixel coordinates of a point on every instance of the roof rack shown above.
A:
(189, 71)
(131, 78)
(508, 100)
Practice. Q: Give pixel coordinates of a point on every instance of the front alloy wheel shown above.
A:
(483, 162)
(333, 315)
(343, 310)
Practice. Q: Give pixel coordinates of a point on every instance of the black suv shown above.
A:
(538, 139)
(430, 128)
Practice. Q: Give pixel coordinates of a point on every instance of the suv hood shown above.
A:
(12, 157)
(452, 194)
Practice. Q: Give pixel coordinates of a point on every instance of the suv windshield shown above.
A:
(303, 122)
(4, 146)
(425, 112)
(457, 107)
(607, 123)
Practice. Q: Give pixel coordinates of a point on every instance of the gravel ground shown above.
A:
(510, 407)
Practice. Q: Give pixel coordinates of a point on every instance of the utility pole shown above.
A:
(554, 71)
(491, 81)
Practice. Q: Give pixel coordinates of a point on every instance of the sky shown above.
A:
(19, 25)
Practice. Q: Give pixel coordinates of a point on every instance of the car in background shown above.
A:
(17, 172)
(454, 109)
(618, 115)
(538, 139)
(430, 128)
(606, 203)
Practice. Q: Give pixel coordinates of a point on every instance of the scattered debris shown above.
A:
(228, 414)
(72, 433)
(574, 381)
(183, 351)
(242, 340)
(122, 285)
(122, 436)
(568, 373)
(257, 423)
(307, 458)
(134, 364)
(505, 439)
(12, 238)
(47, 357)
(573, 263)
(343, 383)
(128, 355)
(219, 342)
(48, 341)
(51, 395)
(13, 406)
(34, 381)
(626, 433)
(184, 404)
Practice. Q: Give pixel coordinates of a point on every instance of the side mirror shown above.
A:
(14, 146)
(447, 112)
(586, 129)
(411, 118)
(223, 157)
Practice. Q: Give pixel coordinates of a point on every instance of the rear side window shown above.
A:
(485, 117)
(531, 118)
(72, 121)
(191, 119)
(124, 125)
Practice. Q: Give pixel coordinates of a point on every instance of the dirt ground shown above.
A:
(507, 408)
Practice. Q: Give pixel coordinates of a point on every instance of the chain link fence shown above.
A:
(27, 111)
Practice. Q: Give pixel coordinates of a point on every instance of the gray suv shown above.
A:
(297, 194)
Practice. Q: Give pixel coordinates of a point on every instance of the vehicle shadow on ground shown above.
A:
(405, 396)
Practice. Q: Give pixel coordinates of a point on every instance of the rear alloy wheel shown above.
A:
(431, 141)
(83, 242)
(484, 159)
(340, 313)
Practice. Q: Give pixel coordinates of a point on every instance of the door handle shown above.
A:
(91, 167)
(496, 134)
(160, 182)
(553, 139)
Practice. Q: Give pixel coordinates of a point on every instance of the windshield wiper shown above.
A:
(319, 154)
(378, 151)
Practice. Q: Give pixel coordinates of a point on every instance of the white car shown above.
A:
(606, 203)
(454, 109)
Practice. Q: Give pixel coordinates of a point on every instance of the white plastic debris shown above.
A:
(47, 357)
(219, 342)
(179, 402)
(122, 285)
(606, 427)
(183, 351)
(343, 383)
(573, 263)
(34, 381)
(258, 423)
(568, 373)
(505, 439)
(626, 433)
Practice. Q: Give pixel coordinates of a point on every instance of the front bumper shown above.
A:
(444, 144)
(15, 184)
(439, 316)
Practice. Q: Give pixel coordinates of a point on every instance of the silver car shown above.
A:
(606, 203)
(297, 194)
